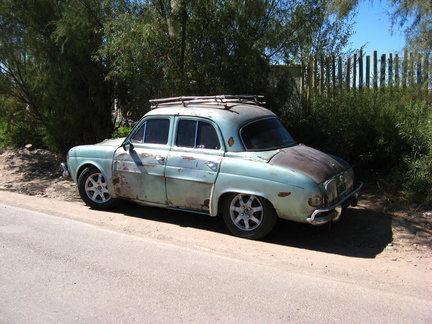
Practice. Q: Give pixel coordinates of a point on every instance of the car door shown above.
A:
(140, 169)
(193, 164)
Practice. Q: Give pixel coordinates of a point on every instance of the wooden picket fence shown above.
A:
(360, 71)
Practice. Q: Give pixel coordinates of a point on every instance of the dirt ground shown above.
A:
(378, 226)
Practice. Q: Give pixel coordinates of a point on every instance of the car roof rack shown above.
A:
(219, 99)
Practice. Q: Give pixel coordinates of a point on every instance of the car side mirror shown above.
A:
(128, 146)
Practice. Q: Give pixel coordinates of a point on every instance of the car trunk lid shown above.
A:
(313, 163)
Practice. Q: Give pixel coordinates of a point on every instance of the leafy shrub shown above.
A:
(17, 127)
(417, 128)
(122, 131)
(386, 132)
(419, 178)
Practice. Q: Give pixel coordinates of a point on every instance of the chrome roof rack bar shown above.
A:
(220, 99)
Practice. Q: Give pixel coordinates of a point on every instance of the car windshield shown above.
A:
(267, 134)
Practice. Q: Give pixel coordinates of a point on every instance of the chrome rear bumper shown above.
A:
(333, 213)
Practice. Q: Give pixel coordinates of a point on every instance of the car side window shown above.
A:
(207, 136)
(186, 133)
(197, 134)
(152, 131)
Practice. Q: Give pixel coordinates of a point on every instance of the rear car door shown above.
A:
(193, 164)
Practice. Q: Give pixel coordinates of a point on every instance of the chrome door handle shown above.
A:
(159, 158)
(211, 164)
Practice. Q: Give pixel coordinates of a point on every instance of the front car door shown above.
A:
(140, 171)
(193, 164)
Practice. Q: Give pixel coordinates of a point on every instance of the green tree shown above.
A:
(416, 16)
(212, 46)
(46, 57)
(70, 63)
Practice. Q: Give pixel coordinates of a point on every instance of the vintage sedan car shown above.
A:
(216, 155)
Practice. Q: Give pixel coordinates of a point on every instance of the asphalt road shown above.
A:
(59, 270)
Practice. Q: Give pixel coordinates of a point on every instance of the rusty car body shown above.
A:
(216, 155)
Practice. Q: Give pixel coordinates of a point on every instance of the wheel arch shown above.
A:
(95, 192)
(252, 218)
(290, 201)
(106, 173)
(86, 165)
(223, 196)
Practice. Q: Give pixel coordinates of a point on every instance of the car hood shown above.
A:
(313, 163)
(112, 142)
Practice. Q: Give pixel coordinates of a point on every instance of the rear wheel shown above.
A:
(248, 216)
(93, 189)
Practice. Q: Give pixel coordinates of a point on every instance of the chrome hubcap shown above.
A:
(246, 212)
(96, 188)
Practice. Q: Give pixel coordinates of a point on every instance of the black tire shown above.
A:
(93, 189)
(248, 216)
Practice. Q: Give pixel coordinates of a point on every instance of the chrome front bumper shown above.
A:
(65, 173)
(333, 213)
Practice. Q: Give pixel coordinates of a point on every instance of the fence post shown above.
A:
(310, 80)
(333, 68)
(368, 71)
(348, 72)
(404, 69)
(321, 74)
(419, 69)
(360, 69)
(328, 72)
(354, 78)
(383, 71)
(397, 70)
(375, 70)
(411, 70)
(390, 70)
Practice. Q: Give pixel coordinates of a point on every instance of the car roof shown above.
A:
(228, 113)
(234, 109)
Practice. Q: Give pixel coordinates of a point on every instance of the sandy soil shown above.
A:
(379, 227)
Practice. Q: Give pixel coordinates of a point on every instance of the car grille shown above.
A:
(339, 187)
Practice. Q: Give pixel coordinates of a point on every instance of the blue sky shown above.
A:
(372, 29)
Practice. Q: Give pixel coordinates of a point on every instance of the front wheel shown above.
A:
(248, 216)
(93, 189)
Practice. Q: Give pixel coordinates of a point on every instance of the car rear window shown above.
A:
(267, 134)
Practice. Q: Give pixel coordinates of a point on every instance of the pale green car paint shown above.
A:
(99, 155)
(198, 179)
(285, 189)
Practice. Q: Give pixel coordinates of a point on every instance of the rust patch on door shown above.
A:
(284, 194)
(190, 158)
(148, 165)
(145, 155)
